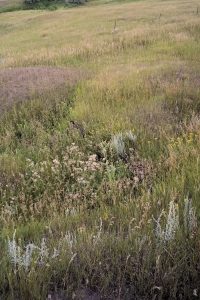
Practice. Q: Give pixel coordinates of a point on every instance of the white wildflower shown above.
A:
(56, 253)
(27, 257)
(56, 162)
(172, 224)
(195, 292)
(71, 240)
(13, 250)
(97, 237)
(44, 252)
(118, 144)
(190, 219)
(130, 136)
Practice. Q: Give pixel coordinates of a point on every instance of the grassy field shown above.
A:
(100, 151)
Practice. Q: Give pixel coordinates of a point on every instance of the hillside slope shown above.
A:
(100, 151)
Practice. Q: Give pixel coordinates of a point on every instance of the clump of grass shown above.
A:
(120, 143)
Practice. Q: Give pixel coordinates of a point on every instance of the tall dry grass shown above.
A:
(99, 182)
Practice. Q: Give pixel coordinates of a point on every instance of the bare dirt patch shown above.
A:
(3, 2)
(20, 84)
(9, 3)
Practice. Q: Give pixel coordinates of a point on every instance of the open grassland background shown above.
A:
(100, 151)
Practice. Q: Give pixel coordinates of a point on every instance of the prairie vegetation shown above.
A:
(100, 151)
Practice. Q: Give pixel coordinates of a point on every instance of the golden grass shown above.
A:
(145, 40)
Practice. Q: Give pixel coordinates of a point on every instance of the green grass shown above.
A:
(113, 221)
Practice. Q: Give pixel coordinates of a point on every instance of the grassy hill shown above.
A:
(15, 5)
(100, 151)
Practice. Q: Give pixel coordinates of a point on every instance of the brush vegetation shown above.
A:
(100, 151)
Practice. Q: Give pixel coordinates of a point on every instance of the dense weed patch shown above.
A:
(80, 189)
(99, 174)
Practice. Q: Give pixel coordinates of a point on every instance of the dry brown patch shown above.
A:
(3, 2)
(7, 3)
(21, 84)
